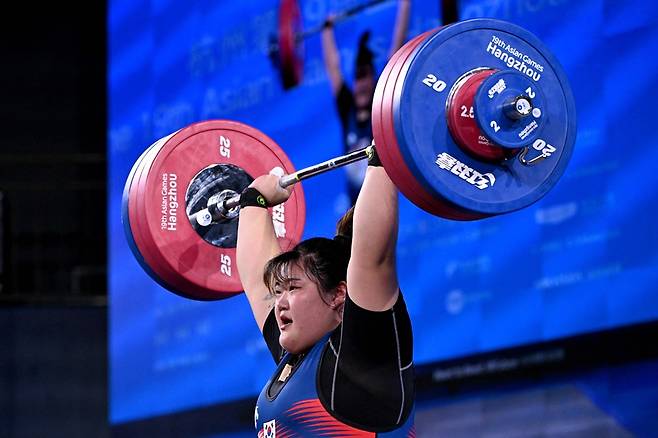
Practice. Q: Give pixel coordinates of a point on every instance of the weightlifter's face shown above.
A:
(364, 88)
(301, 314)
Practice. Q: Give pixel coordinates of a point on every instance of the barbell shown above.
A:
(286, 48)
(471, 120)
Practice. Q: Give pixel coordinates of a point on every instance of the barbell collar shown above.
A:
(518, 108)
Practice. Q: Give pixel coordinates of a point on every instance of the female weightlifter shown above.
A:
(333, 317)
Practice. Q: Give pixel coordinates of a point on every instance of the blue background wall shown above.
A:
(581, 260)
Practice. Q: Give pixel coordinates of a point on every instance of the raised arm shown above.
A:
(371, 275)
(331, 56)
(401, 26)
(257, 244)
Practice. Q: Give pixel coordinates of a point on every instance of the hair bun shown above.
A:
(342, 239)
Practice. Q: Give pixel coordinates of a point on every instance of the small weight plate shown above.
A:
(509, 109)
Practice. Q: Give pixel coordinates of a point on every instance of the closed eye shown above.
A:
(279, 291)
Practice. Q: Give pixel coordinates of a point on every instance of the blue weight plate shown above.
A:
(496, 96)
(419, 117)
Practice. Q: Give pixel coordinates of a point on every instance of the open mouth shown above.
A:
(285, 322)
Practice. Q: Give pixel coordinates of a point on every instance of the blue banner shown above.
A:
(582, 259)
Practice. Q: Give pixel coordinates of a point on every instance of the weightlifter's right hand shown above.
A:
(268, 186)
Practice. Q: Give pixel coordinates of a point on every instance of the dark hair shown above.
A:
(364, 57)
(344, 224)
(323, 260)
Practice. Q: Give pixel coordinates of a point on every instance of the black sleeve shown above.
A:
(344, 104)
(271, 334)
(366, 376)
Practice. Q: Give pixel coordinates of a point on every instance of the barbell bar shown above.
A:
(227, 208)
(464, 137)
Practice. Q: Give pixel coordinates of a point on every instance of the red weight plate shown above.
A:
(291, 50)
(439, 205)
(461, 119)
(395, 169)
(129, 191)
(171, 278)
(136, 215)
(195, 268)
(154, 254)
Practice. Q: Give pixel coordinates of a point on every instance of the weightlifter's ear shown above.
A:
(340, 295)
